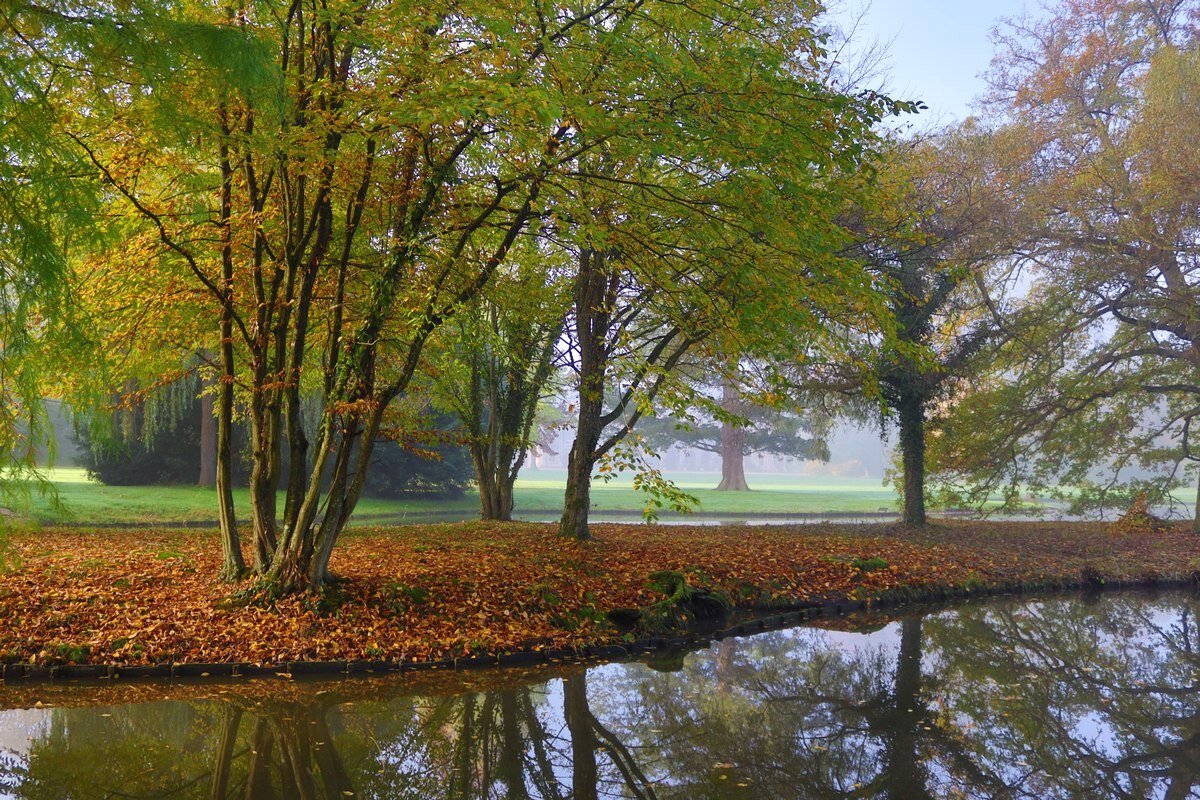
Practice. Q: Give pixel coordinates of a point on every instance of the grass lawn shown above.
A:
(429, 592)
(538, 495)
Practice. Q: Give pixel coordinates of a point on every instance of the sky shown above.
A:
(938, 48)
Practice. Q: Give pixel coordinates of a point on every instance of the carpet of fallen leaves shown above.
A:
(426, 592)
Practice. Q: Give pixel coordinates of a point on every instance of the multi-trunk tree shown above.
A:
(495, 365)
(327, 215)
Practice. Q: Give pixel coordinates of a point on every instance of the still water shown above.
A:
(1070, 697)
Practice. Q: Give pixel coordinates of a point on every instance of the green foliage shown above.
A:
(401, 597)
(869, 564)
(632, 455)
(576, 618)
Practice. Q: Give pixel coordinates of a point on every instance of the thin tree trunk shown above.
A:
(264, 478)
(233, 565)
(912, 450)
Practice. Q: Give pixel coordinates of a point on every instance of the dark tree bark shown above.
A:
(595, 294)
(584, 772)
(233, 565)
(912, 451)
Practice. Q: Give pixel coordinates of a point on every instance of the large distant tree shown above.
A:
(734, 426)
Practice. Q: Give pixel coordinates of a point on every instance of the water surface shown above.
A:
(1068, 697)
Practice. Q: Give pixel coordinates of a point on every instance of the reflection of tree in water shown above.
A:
(789, 716)
(1080, 699)
(1059, 699)
(505, 744)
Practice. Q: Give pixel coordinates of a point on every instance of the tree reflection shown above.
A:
(512, 743)
(1080, 699)
(1063, 698)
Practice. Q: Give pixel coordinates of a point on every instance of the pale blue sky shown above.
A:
(938, 48)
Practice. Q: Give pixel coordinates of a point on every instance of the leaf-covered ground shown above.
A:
(421, 593)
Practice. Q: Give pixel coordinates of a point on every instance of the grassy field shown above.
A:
(538, 495)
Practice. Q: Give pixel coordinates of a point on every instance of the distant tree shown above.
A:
(495, 364)
(144, 439)
(426, 463)
(734, 427)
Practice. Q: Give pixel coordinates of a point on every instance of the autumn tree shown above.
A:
(496, 364)
(932, 246)
(722, 227)
(49, 194)
(1096, 395)
(355, 212)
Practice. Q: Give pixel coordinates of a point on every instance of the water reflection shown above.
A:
(1063, 698)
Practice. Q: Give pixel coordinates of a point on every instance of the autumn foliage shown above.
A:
(420, 593)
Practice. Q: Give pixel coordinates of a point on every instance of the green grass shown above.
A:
(538, 494)
(770, 494)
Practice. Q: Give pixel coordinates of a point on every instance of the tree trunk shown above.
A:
(584, 774)
(264, 478)
(593, 308)
(233, 564)
(577, 500)
(912, 450)
(208, 442)
(733, 444)
(733, 459)
(495, 487)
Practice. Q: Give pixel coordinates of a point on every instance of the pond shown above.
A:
(1062, 697)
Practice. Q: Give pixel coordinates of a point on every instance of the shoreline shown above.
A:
(780, 619)
(776, 577)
